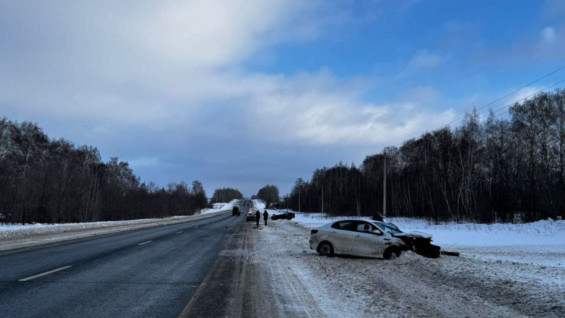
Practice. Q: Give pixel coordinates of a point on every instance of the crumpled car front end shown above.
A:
(419, 243)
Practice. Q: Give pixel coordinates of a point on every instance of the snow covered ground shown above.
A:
(219, 207)
(259, 204)
(490, 279)
(542, 241)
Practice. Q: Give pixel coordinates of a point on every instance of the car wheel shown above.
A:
(326, 249)
(391, 253)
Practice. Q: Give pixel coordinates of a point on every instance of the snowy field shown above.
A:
(505, 270)
(543, 241)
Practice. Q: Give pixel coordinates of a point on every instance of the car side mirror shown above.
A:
(377, 232)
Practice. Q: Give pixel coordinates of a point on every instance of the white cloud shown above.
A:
(328, 111)
(522, 95)
(160, 77)
(425, 60)
(549, 35)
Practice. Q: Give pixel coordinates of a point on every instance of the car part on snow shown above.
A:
(449, 253)
(426, 248)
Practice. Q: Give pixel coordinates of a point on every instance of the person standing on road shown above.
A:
(266, 216)
(257, 217)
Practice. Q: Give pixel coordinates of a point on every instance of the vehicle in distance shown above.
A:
(251, 215)
(361, 238)
(235, 210)
(283, 216)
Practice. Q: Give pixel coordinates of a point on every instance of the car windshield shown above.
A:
(388, 227)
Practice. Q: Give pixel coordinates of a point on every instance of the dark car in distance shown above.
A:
(283, 216)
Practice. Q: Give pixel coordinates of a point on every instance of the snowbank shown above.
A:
(19, 230)
(221, 207)
(543, 241)
(259, 204)
(473, 285)
(545, 232)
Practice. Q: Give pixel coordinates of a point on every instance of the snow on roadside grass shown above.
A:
(9, 230)
(22, 236)
(543, 241)
(223, 207)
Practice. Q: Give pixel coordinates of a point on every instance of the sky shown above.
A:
(242, 94)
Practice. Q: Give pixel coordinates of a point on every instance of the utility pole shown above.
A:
(299, 192)
(322, 198)
(384, 186)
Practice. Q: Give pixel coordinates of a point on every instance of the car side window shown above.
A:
(345, 225)
(364, 227)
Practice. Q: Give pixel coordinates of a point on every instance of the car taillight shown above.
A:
(313, 231)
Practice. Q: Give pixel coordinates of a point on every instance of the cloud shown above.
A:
(425, 60)
(549, 35)
(327, 111)
(162, 85)
(422, 61)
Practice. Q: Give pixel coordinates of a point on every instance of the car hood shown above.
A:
(414, 234)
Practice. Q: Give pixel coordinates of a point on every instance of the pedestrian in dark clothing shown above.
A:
(266, 216)
(378, 217)
(257, 217)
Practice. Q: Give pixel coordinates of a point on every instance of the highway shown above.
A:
(146, 273)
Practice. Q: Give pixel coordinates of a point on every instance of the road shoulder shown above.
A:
(245, 282)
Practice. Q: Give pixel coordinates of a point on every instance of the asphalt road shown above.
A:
(147, 273)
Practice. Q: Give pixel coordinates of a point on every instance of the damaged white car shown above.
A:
(418, 242)
(368, 239)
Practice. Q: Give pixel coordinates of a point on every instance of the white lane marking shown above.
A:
(145, 243)
(44, 274)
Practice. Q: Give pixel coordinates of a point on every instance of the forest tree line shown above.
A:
(225, 195)
(54, 181)
(484, 170)
(269, 194)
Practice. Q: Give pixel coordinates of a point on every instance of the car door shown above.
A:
(341, 235)
(368, 240)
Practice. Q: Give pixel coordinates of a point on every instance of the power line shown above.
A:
(513, 92)
(504, 108)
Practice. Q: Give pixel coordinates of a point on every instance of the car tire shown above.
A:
(391, 253)
(326, 249)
